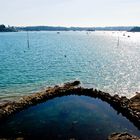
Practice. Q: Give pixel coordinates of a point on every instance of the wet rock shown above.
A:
(74, 122)
(19, 138)
(135, 102)
(75, 83)
(130, 108)
(9, 108)
(122, 136)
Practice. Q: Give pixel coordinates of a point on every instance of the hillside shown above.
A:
(3, 28)
(135, 29)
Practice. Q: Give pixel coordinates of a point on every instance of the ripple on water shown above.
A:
(94, 59)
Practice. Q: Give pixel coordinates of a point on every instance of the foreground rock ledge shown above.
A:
(122, 136)
(130, 108)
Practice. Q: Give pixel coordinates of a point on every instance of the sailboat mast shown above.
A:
(28, 44)
(118, 41)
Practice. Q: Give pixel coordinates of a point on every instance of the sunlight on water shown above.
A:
(95, 58)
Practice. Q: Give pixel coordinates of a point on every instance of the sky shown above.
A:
(82, 13)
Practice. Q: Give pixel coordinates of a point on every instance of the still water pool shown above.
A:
(67, 117)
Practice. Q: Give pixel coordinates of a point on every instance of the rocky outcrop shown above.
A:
(134, 103)
(128, 107)
(10, 108)
(122, 136)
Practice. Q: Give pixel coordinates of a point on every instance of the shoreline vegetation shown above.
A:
(135, 29)
(59, 28)
(130, 108)
(3, 28)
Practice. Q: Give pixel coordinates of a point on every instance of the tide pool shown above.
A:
(67, 117)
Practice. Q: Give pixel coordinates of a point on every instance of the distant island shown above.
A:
(114, 28)
(52, 28)
(135, 29)
(3, 28)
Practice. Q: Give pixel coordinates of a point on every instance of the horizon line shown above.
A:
(73, 26)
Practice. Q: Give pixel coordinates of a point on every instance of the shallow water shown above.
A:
(78, 117)
(94, 58)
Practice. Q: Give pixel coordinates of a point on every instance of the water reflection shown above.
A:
(67, 117)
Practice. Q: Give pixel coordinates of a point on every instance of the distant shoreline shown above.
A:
(135, 29)
(3, 28)
(53, 28)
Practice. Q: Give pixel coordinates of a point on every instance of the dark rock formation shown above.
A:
(130, 108)
(122, 136)
(10, 108)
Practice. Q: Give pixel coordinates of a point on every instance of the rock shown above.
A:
(74, 122)
(122, 136)
(10, 108)
(75, 83)
(130, 108)
(135, 102)
(20, 138)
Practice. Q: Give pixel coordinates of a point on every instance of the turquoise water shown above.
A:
(94, 58)
(68, 117)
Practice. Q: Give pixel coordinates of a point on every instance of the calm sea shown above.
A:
(109, 61)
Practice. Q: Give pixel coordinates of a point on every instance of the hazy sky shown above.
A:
(70, 12)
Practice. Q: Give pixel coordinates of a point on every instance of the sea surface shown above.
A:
(65, 118)
(109, 61)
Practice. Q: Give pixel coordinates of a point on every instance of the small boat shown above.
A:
(58, 32)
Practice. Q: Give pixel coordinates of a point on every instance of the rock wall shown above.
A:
(130, 108)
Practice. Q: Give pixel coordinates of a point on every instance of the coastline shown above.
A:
(130, 108)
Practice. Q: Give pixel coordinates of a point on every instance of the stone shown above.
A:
(135, 102)
(122, 136)
(130, 108)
